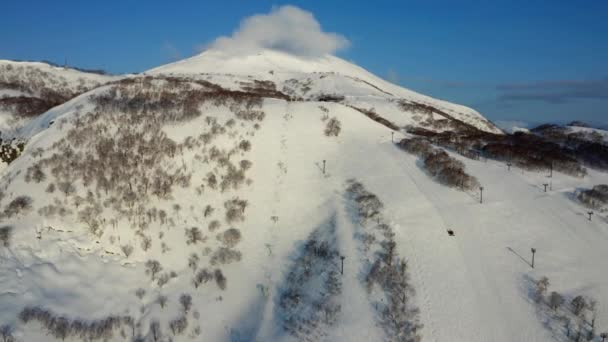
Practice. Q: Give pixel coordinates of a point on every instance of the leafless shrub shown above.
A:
(578, 304)
(245, 164)
(211, 180)
(140, 293)
(146, 242)
(186, 301)
(194, 235)
(214, 225)
(6, 233)
(6, 332)
(34, 173)
(418, 146)
(153, 268)
(163, 279)
(556, 300)
(66, 187)
(193, 260)
(232, 179)
(208, 210)
(542, 286)
(156, 331)
(162, 301)
(50, 188)
(202, 277)
(230, 237)
(127, 250)
(224, 255)
(220, 280)
(369, 205)
(439, 164)
(61, 327)
(179, 325)
(245, 145)
(595, 198)
(19, 205)
(235, 209)
(333, 127)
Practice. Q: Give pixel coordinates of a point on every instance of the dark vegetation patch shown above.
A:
(61, 327)
(588, 147)
(386, 273)
(264, 89)
(425, 115)
(19, 205)
(10, 150)
(44, 90)
(332, 127)
(531, 152)
(445, 169)
(330, 98)
(28, 107)
(6, 234)
(309, 303)
(595, 198)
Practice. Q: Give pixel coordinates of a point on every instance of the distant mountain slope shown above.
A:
(28, 89)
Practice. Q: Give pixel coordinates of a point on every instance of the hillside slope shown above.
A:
(28, 89)
(214, 207)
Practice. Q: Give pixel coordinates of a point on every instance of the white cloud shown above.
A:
(286, 28)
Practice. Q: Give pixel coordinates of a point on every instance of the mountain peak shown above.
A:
(257, 62)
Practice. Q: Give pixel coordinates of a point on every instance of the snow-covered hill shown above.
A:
(243, 199)
(28, 89)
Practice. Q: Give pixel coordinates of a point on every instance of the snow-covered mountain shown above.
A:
(28, 89)
(263, 197)
(330, 78)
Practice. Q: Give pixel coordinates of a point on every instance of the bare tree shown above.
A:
(542, 285)
(140, 293)
(127, 250)
(162, 301)
(193, 261)
(555, 300)
(6, 332)
(155, 330)
(186, 301)
(208, 210)
(578, 305)
(153, 267)
(333, 127)
(6, 233)
(193, 235)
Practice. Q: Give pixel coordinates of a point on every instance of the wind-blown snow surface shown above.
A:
(470, 287)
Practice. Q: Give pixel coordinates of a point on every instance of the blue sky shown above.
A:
(512, 60)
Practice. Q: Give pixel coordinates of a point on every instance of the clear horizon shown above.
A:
(533, 61)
